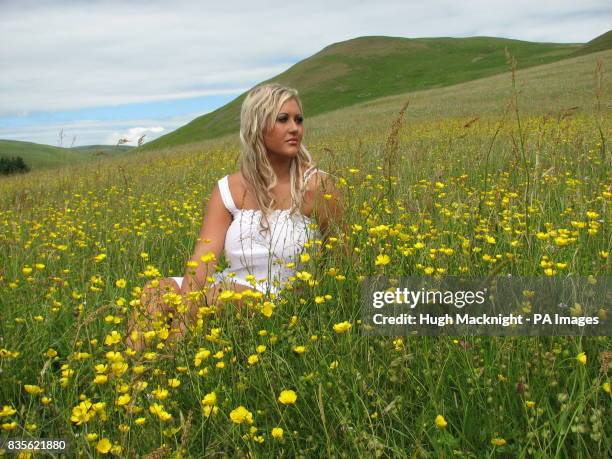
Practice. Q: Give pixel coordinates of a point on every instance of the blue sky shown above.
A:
(103, 70)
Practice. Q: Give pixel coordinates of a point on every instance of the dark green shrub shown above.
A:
(12, 165)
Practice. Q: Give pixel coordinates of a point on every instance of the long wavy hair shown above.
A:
(258, 115)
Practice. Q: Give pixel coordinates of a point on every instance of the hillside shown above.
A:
(546, 90)
(600, 43)
(366, 68)
(40, 156)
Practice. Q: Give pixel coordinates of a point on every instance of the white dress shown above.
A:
(264, 255)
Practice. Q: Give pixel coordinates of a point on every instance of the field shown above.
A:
(485, 177)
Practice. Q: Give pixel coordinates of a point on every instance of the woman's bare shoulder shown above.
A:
(238, 187)
(236, 178)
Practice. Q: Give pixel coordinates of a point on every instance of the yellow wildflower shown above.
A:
(207, 410)
(299, 349)
(100, 379)
(51, 353)
(113, 356)
(342, 327)
(287, 397)
(382, 260)
(267, 309)
(120, 283)
(113, 338)
(210, 399)
(33, 389)
(200, 356)
(208, 257)
(104, 446)
(82, 412)
(440, 422)
(158, 410)
(160, 394)
(303, 276)
(100, 257)
(592, 215)
(123, 400)
(7, 411)
(226, 295)
(240, 415)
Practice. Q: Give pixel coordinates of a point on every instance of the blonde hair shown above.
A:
(258, 114)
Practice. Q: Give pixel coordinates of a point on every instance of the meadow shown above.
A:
(492, 176)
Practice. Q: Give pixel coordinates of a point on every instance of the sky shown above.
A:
(91, 72)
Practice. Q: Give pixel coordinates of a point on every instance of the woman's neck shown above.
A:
(282, 168)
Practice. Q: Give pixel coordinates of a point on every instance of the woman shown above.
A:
(262, 215)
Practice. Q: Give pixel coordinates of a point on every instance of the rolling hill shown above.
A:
(40, 156)
(600, 43)
(366, 68)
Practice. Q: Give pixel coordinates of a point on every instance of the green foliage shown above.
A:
(12, 165)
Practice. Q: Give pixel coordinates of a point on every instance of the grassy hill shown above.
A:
(366, 68)
(40, 156)
(600, 43)
(549, 90)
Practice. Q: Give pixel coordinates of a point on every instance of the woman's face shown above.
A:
(285, 137)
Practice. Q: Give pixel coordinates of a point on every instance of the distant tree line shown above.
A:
(12, 165)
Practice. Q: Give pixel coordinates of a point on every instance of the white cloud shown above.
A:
(93, 132)
(52, 101)
(132, 135)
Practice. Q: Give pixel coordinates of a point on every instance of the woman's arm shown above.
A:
(215, 222)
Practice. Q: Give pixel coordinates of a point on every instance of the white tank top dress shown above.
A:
(263, 254)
